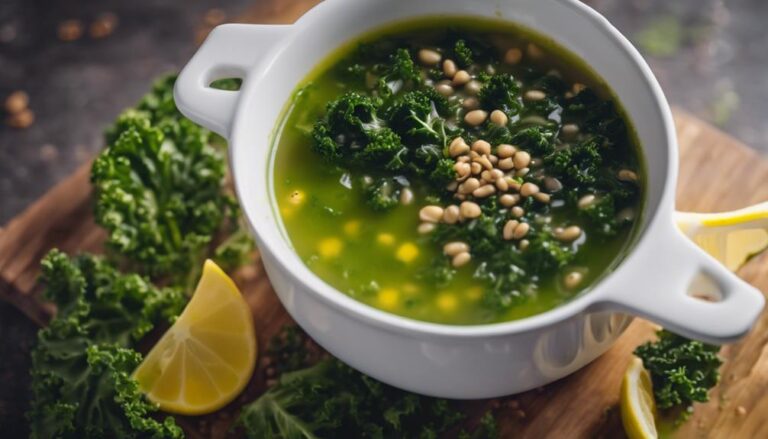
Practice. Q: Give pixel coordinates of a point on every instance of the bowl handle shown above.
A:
(673, 282)
(229, 51)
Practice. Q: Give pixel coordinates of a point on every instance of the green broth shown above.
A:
(377, 257)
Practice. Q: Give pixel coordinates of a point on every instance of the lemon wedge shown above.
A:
(207, 357)
(637, 404)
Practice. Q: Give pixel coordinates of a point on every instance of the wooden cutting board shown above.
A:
(717, 173)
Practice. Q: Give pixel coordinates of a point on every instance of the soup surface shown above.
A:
(455, 171)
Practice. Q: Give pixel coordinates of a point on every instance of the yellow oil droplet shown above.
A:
(297, 197)
(407, 252)
(447, 302)
(352, 228)
(388, 298)
(330, 247)
(474, 293)
(385, 239)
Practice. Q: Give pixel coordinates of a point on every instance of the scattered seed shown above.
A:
(570, 129)
(551, 184)
(406, 196)
(16, 102)
(499, 118)
(425, 228)
(458, 147)
(449, 68)
(484, 191)
(476, 117)
(570, 233)
(469, 186)
(461, 78)
(509, 200)
(70, 30)
(481, 147)
(513, 56)
(741, 410)
(518, 212)
(505, 151)
(454, 248)
(470, 103)
(444, 89)
(541, 197)
(529, 189)
(586, 201)
(470, 210)
(521, 159)
(431, 214)
(534, 95)
(473, 87)
(461, 259)
(429, 57)
(506, 164)
(573, 279)
(452, 215)
(509, 229)
(521, 230)
(627, 175)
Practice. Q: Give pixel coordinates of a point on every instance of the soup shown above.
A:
(457, 171)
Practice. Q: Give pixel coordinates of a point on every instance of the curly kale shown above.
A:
(417, 116)
(462, 53)
(595, 116)
(400, 73)
(332, 400)
(159, 188)
(682, 370)
(383, 193)
(537, 140)
(579, 164)
(501, 92)
(81, 366)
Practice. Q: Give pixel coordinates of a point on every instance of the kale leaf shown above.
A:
(682, 370)
(579, 164)
(81, 365)
(501, 92)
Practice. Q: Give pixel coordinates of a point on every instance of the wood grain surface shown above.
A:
(717, 173)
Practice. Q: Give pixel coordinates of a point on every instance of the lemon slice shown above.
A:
(637, 404)
(730, 237)
(207, 357)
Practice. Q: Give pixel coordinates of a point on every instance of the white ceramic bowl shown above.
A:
(463, 361)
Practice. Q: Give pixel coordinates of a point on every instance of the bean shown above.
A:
(481, 147)
(469, 186)
(476, 168)
(460, 78)
(470, 210)
(521, 159)
(509, 229)
(431, 214)
(486, 175)
(463, 159)
(462, 169)
(470, 103)
(485, 162)
(506, 164)
(517, 212)
(473, 155)
(461, 259)
(458, 147)
(449, 68)
(499, 118)
(509, 200)
(534, 95)
(454, 248)
(444, 89)
(505, 151)
(522, 172)
(627, 175)
(429, 57)
(568, 234)
(497, 174)
(578, 88)
(513, 184)
(473, 87)
(542, 197)
(484, 191)
(573, 279)
(452, 214)
(513, 56)
(476, 117)
(586, 201)
(406, 197)
(493, 159)
(529, 189)
(521, 230)
(551, 184)
(502, 185)
(425, 228)
(570, 129)
(452, 186)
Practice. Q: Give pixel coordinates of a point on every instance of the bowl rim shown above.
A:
(299, 273)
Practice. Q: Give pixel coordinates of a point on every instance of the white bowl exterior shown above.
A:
(453, 362)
